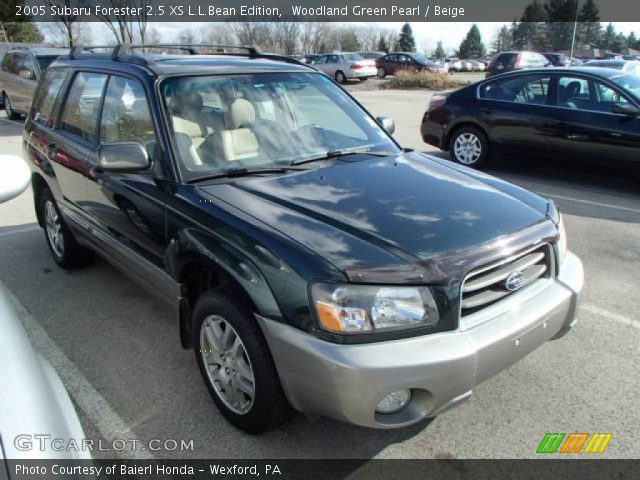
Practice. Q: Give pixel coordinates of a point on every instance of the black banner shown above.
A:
(323, 469)
(296, 10)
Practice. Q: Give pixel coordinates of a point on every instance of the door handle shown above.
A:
(487, 110)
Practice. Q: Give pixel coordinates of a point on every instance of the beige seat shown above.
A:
(189, 129)
(238, 142)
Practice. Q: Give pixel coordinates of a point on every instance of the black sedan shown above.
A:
(589, 114)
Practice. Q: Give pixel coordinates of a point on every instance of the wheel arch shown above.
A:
(200, 262)
(461, 124)
(38, 184)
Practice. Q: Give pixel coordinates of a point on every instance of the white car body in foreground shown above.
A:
(33, 399)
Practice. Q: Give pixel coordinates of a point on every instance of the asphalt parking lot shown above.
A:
(118, 353)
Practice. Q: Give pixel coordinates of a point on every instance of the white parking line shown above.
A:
(588, 202)
(107, 421)
(610, 315)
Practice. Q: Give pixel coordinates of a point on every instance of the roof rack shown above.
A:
(125, 51)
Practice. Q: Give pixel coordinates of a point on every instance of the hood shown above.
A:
(380, 212)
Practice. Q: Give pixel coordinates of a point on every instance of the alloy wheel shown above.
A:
(467, 148)
(53, 226)
(227, 364)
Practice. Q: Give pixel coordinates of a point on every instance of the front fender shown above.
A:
(191, 245)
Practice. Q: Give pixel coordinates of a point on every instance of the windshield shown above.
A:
(629, 83)
(352, 57)
(262, 120)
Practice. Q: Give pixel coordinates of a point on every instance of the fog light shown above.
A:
(394, 401)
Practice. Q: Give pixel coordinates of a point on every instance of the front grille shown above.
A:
(492, 283)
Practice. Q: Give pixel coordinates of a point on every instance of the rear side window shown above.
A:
(125, 115)
(44, 62)
(507, 60)
(7, 63)
(530, 89)
(42, 108)
(83, 104)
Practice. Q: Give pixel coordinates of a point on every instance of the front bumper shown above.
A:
(346, 382)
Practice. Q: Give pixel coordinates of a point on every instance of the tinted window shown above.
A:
(27, 64)
(333, 59)
(587, 94)
(392, 58)
(7, 62)
(42, 108)
(321, 60)
(508, 60)
(531, 89)
(83, 104)
(125, 115)
(44, 62)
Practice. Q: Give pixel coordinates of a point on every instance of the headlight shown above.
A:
(562, 241)
(367, 309)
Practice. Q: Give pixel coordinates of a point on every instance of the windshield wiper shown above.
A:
(343, 153)
(242, 172)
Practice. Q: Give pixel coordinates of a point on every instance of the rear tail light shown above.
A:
(356, 66)
(436, 101)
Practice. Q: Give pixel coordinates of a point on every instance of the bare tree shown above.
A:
(189, 36)
(64, 29)
(65, 34)
(152, 36)
(286, 34)
(126, 28)
(219, 34)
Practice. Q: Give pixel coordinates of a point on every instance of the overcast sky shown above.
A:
(427, 33)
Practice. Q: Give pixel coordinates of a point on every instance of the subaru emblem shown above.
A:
(514, 281)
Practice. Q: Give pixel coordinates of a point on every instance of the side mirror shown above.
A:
(387, 123)
(27, 74)
(14, 177)
(123, 157)
(625, 109)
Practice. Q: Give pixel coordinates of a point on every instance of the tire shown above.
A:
(341, 77)
(64, 248)
(11, 113)
(241, 377)
(469, 147)
(381, 72)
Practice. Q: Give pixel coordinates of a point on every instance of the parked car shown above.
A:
(628, 66)
(392, 63)
(33, 398)
(310, 261)
(455, 65)
(19, 74)
(371, 55)
(466, 66)
(558, 59)
(477, 66)
(346, 66)
(590, 114)
(510, 61)
(310, 58)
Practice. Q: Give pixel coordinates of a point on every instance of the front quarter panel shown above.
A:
(272, 269)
